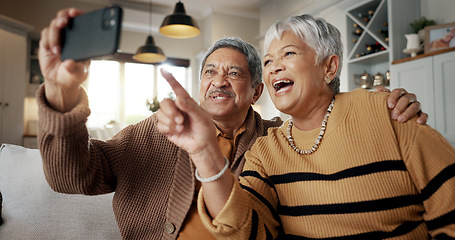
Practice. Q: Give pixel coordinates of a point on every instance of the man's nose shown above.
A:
(220, 80)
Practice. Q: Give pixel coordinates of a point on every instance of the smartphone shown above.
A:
(93, 34)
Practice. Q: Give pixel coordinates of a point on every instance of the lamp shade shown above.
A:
(179, 25)
(149, 53)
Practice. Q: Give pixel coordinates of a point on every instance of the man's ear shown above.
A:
(257, 92)
(332, 64)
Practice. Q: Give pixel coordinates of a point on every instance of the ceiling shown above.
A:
(136, 12)
(196, 8)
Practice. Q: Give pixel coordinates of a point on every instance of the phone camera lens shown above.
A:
(110, 18)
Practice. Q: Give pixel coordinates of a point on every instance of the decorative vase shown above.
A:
(413, 44)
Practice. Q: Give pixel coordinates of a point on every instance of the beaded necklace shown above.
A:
(318, 140)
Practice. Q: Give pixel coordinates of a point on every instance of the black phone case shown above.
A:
(91, 35)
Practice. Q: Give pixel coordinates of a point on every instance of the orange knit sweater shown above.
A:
(371, 178)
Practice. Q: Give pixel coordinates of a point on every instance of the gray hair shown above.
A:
(250, 52)
(321, 36)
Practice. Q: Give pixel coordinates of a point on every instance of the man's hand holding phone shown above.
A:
(62, 79)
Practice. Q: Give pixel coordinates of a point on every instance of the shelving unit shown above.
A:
(35, 76)
(388, 22)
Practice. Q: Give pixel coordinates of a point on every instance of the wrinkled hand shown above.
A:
(404, 105)
(62, 79)
(184, 122)
(187, 125)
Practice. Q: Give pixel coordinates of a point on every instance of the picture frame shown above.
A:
(439, 37)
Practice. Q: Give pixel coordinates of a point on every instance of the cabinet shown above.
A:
(375, 35)
(431, 79)
(13, 77)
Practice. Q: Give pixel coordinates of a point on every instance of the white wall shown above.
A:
(334, 12)
(442, 11)
(215, 26)
(331, 10)
(40, 13)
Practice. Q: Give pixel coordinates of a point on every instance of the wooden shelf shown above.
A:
(424, 55)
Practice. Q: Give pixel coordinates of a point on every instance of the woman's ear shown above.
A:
(332, 65)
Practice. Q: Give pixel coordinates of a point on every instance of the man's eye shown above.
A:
(235, 75)
(209, 72)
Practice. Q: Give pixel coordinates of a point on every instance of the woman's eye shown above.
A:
(289, 53)
(266, 62)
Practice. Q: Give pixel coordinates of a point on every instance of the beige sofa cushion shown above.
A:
(32, 210)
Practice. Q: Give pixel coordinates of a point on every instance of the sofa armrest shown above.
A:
(1, 201)
(32, 210)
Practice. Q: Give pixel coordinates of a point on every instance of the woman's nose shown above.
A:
(276, 67)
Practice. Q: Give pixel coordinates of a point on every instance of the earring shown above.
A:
(328, 80)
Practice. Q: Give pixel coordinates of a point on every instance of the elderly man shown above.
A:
(152, 178)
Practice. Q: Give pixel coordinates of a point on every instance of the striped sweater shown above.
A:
(371, 178)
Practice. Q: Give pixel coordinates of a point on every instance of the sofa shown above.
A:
(30, 209)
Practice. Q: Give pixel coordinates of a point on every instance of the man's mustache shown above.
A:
(218, 90)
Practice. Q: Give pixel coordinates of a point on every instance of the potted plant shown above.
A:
(419, 24)
(153, 104)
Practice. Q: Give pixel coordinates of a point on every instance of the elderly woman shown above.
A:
(338, 168)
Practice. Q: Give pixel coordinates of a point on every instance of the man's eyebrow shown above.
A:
(209, 65)
(236, 67)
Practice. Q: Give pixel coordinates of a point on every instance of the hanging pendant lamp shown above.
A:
(179, 25)
(149, 53)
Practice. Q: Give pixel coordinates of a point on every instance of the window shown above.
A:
(138, 87)
(103, 88)
(118, 91)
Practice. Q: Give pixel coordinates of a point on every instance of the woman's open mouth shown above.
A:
(282, 84)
